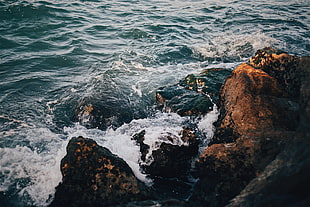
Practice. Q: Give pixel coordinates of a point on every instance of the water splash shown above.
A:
(233, 47)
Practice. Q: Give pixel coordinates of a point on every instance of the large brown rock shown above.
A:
(252, 100)
(285, 181)
(225, 169)
(259, 113)
(93, 176)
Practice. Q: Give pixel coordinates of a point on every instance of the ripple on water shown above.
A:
(55, 53)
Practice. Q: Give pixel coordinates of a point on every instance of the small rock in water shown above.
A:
(194, 95)
(94, 112)
(169, 160)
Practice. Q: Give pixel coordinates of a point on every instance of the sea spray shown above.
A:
(68, 50)
(120, 141)
(207, 128)
(230, 47)
(34, 175)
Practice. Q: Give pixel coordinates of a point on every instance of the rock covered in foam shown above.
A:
(170, 159)
(93, 176)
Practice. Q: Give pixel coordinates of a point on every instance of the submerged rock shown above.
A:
(105, 112)
(259, 114)
(93, 176)
(182, 101)
(194, 95)
(208, 82)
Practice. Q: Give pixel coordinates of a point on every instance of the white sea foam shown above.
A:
(233, 45)
(206, 126)
(33, 173)
(137, 90)
(34, 169)
(120, 141)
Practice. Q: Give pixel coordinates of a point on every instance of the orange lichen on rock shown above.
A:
(258, 112)
(93, 176)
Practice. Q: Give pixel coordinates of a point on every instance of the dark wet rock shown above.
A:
(144, 148)
(182, 101)
(170, 163)
(195, 94)
(104, 112)
(259, 116)
(93, 176)
(171, 159)
(208, 82)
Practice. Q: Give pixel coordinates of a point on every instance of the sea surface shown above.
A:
(55, 53)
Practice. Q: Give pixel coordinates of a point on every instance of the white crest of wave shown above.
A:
(34, 170)
(234, 45)
(120, 142)
(206, 126)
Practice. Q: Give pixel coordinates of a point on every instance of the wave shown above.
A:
(231, 47)
(32, 170)
(32, 173)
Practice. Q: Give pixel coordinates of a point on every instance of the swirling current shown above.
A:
(55, 53)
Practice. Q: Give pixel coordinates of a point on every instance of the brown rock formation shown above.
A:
(93, 176)
(259, 114)
(285, 181)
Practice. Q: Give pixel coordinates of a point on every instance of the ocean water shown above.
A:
(55, 53)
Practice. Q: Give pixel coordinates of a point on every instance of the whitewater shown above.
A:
(54, 54)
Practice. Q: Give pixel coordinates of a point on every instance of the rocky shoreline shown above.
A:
(259, 155)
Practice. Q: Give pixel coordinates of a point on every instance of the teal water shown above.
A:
(55, 53)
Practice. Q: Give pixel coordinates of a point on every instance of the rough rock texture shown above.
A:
(259, 114)
(170, 159)
(285, 181)
(281, 66)
(93, 176)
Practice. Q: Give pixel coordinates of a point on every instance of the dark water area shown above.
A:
(53, 54)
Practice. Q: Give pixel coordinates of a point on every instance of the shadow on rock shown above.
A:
(93, 176)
